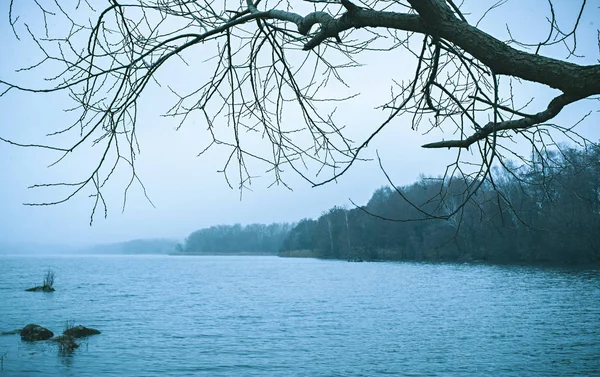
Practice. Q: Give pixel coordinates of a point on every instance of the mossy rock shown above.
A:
(40, 288)
(66, 343)
(33, 332)
(80, 331)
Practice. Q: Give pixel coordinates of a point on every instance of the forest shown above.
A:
(545, 212)
(236, 239)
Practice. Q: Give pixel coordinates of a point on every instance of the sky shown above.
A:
(187, 191)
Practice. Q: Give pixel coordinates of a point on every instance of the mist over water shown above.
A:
(269, 316)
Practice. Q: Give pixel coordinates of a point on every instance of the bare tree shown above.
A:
(274, 58)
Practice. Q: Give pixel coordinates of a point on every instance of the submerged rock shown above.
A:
(14, 332)
(40, 288)
(33, 332)
(66, 343)
(80, 331)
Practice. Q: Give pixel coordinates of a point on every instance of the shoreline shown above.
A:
(178, 254)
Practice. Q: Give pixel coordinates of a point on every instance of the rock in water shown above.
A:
(80, 331)
(66, 343)
(33, 332)
(40, 288)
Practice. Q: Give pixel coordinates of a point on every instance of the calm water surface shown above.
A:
(268, 316)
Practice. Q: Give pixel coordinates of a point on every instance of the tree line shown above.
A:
(545, 212)
(237, 239)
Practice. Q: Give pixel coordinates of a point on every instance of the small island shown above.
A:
(47, 285)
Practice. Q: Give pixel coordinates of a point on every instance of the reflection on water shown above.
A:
(65, 358)
(267, 316)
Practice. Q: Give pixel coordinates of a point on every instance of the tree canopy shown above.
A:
(254, 65)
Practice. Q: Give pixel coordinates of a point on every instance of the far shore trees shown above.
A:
(555, 221)
(251, 239)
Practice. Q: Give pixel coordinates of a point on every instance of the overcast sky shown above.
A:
(187, 191)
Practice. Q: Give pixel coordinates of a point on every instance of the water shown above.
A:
(268, 316)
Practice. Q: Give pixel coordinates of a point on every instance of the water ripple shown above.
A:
(266, 316)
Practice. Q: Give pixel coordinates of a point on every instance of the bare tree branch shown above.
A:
(270, 61)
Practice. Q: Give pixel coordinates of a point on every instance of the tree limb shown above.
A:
(555, 106)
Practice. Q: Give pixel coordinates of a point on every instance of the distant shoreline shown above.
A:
(184, 254)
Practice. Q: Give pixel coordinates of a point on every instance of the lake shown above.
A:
(269, 316)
